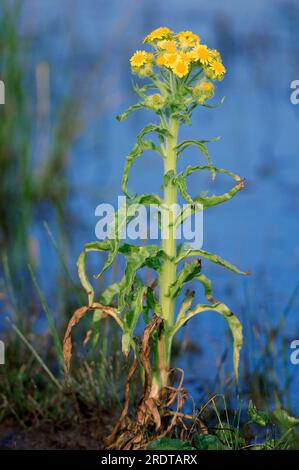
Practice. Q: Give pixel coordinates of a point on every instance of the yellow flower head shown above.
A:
(184, 56)
(158, 33)
(187, 38)
(218, 70)
(160, 60)
(149, 57)
(168, 45)
(139, 58)
(170, 59)
(202, 53)
(215, 55)
(180, 68)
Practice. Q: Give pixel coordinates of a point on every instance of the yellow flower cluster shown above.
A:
(158, 33)
(178, 53)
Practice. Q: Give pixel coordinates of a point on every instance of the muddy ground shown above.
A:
(88, 435)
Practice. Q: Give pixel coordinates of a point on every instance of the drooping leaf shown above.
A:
(117, 226)
(200, 144)
(131, 317)
(142, 146)
(218, 307)
(81, 264)
(96, 327)
(162, 132)
(106, 298)
(211, 257)
(210, 106)
(132, 108)
(141, 91)
(180, 180)
(207, 287)
(233, 322)
(168, 178)
(189, 272)
(109, 293)
(136, 152)
(151, 304)
(135, 261)
(214, 200)
(186, 304)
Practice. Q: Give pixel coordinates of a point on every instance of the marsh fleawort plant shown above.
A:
(180, 73)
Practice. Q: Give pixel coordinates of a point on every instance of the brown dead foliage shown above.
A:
(79, 313)
(153, 417)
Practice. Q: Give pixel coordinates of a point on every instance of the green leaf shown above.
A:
(208, 442)
(81, 264)
(106, 245)
(181, 183)
(135, 261)
(132, 316)
(136, 152)
(141, 91)
(166, 443)
(210, 106)
(142, 146)
(124, 214)
(284, 419)
(200, 144)
(186, 304)
(96, 329)
(148, 199)
(218, 307)
(211, 257)
(168, 178)
(189, 272)
(109, 293)
(207, 287)
(162, 132)
(98, 246)
(207, 201)
(124, 115)
(258, 417)
(151, 304)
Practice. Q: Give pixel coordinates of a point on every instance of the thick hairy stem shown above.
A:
(168, 273)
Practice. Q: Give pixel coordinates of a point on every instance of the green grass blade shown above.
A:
(50, 320)
(36, 355)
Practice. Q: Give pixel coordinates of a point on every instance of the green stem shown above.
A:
(168, 271)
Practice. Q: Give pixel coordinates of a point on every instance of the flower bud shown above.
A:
(203, 90)
(155, 102)
(145, 71)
